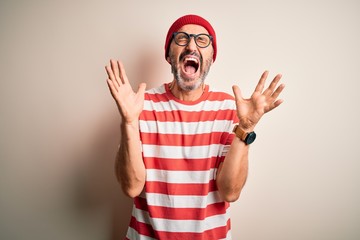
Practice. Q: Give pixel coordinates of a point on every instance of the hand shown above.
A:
(130, 104)
(251, 110)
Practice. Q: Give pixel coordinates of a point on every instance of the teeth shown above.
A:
(191, 59)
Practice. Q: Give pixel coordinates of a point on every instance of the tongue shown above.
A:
(190, 69)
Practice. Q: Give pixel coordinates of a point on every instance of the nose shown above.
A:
(191, 45)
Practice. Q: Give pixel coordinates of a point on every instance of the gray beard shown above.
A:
(181, 82)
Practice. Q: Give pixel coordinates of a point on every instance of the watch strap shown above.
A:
(240, 133)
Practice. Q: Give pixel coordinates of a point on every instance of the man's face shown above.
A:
(190, 64)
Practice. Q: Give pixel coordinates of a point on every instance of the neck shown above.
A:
(190, 95)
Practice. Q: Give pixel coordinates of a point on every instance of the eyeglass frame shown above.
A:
(194, 36)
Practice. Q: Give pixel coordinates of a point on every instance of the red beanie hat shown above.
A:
(190, 19)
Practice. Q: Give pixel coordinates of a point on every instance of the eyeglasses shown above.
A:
(202, 40)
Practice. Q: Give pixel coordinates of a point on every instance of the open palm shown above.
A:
(251, 110)
(130, 104)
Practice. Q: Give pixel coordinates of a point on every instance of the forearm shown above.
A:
(130, 169)
(232, 173)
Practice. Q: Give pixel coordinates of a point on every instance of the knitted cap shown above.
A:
(190, 19)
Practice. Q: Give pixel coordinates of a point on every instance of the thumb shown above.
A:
(237, 93)
(141, 88)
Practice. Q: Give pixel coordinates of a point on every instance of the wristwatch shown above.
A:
(246, 137)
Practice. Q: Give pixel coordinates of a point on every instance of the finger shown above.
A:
(277, 92)
(112, 87)
(141, 89)
(112, 77)
(261, 83)
(109, 72)
(273, 85)
(278, 102)
(275, 105)
(123, 76)
(115, 69)
(237, 93)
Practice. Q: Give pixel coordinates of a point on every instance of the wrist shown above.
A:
(129, 124)
(247, 136)
(129, 130)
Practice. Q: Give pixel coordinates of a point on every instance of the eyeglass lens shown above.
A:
(202, 40)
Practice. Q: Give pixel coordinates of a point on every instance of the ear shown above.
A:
(168, 59)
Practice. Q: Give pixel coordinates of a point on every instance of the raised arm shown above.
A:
(129, 165)
(233, 171)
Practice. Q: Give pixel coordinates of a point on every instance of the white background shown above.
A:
(59, 127)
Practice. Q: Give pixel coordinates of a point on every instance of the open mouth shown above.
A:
(191, 65)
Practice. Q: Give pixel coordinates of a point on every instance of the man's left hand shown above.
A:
(251, 110)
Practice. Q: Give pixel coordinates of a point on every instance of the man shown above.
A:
(184, 146)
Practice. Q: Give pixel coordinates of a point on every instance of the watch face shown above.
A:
(250, 138)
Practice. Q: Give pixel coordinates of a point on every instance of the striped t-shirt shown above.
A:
(183, 144)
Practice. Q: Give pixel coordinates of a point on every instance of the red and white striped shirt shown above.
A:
(183, 144)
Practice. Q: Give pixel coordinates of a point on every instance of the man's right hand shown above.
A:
(130, 104)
